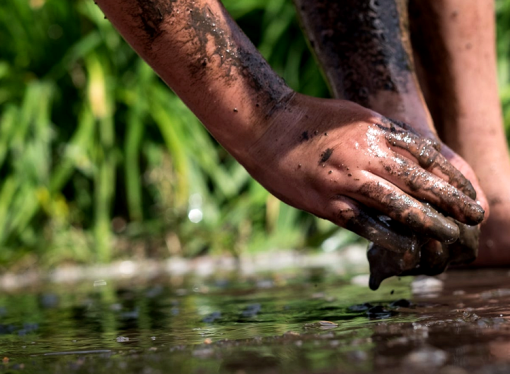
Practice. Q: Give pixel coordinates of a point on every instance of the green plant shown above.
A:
(99, 159)
(96, 153)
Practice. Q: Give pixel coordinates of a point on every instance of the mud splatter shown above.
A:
(152, 14)
(304, 136)
(325, 155)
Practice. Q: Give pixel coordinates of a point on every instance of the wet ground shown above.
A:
(314, 321)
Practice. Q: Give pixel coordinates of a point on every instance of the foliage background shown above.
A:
(100, 160)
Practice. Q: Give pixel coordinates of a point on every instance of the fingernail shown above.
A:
(475, 216)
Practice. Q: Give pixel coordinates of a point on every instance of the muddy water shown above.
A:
(311, 322)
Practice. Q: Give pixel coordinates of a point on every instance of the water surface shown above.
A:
(308, 321)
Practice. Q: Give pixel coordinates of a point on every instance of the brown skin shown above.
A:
(377, 70)
(351, 163)
(462, 73)
(357, 162)
(371, 62)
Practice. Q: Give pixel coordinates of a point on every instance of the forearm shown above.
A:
(199, 51)
(364, 50)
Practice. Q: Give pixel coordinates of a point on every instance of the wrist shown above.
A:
(239, 121)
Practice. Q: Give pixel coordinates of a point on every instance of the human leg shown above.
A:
(454, 47)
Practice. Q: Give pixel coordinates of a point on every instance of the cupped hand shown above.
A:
(350, 165)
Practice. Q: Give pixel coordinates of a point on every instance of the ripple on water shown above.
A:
(308, 321)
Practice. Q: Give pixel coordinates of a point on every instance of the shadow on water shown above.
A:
(308, 322)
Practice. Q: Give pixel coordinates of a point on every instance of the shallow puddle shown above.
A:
(311, 322)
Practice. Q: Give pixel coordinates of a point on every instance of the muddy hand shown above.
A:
(348, 164)
(436, 257)
(431, 259)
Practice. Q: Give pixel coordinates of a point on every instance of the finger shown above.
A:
(368, 224)
(435, 257)
(385, 197)
(429, 158)
(423, 185)
(397, 125)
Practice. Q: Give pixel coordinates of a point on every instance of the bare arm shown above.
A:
(200, 52)
(333, 158)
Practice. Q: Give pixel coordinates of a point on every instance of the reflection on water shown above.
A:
(311, 322)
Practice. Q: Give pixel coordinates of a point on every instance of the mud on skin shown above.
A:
(448, 197)
(431, 258)
(152, 14)
(205, 27)
(427, 153)
(430, 158)
(383, 231)
(428, 222)
(325, 155)
(330, 26)
(349, 33)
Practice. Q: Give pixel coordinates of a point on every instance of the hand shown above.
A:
(431, 257)
(347, 164)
